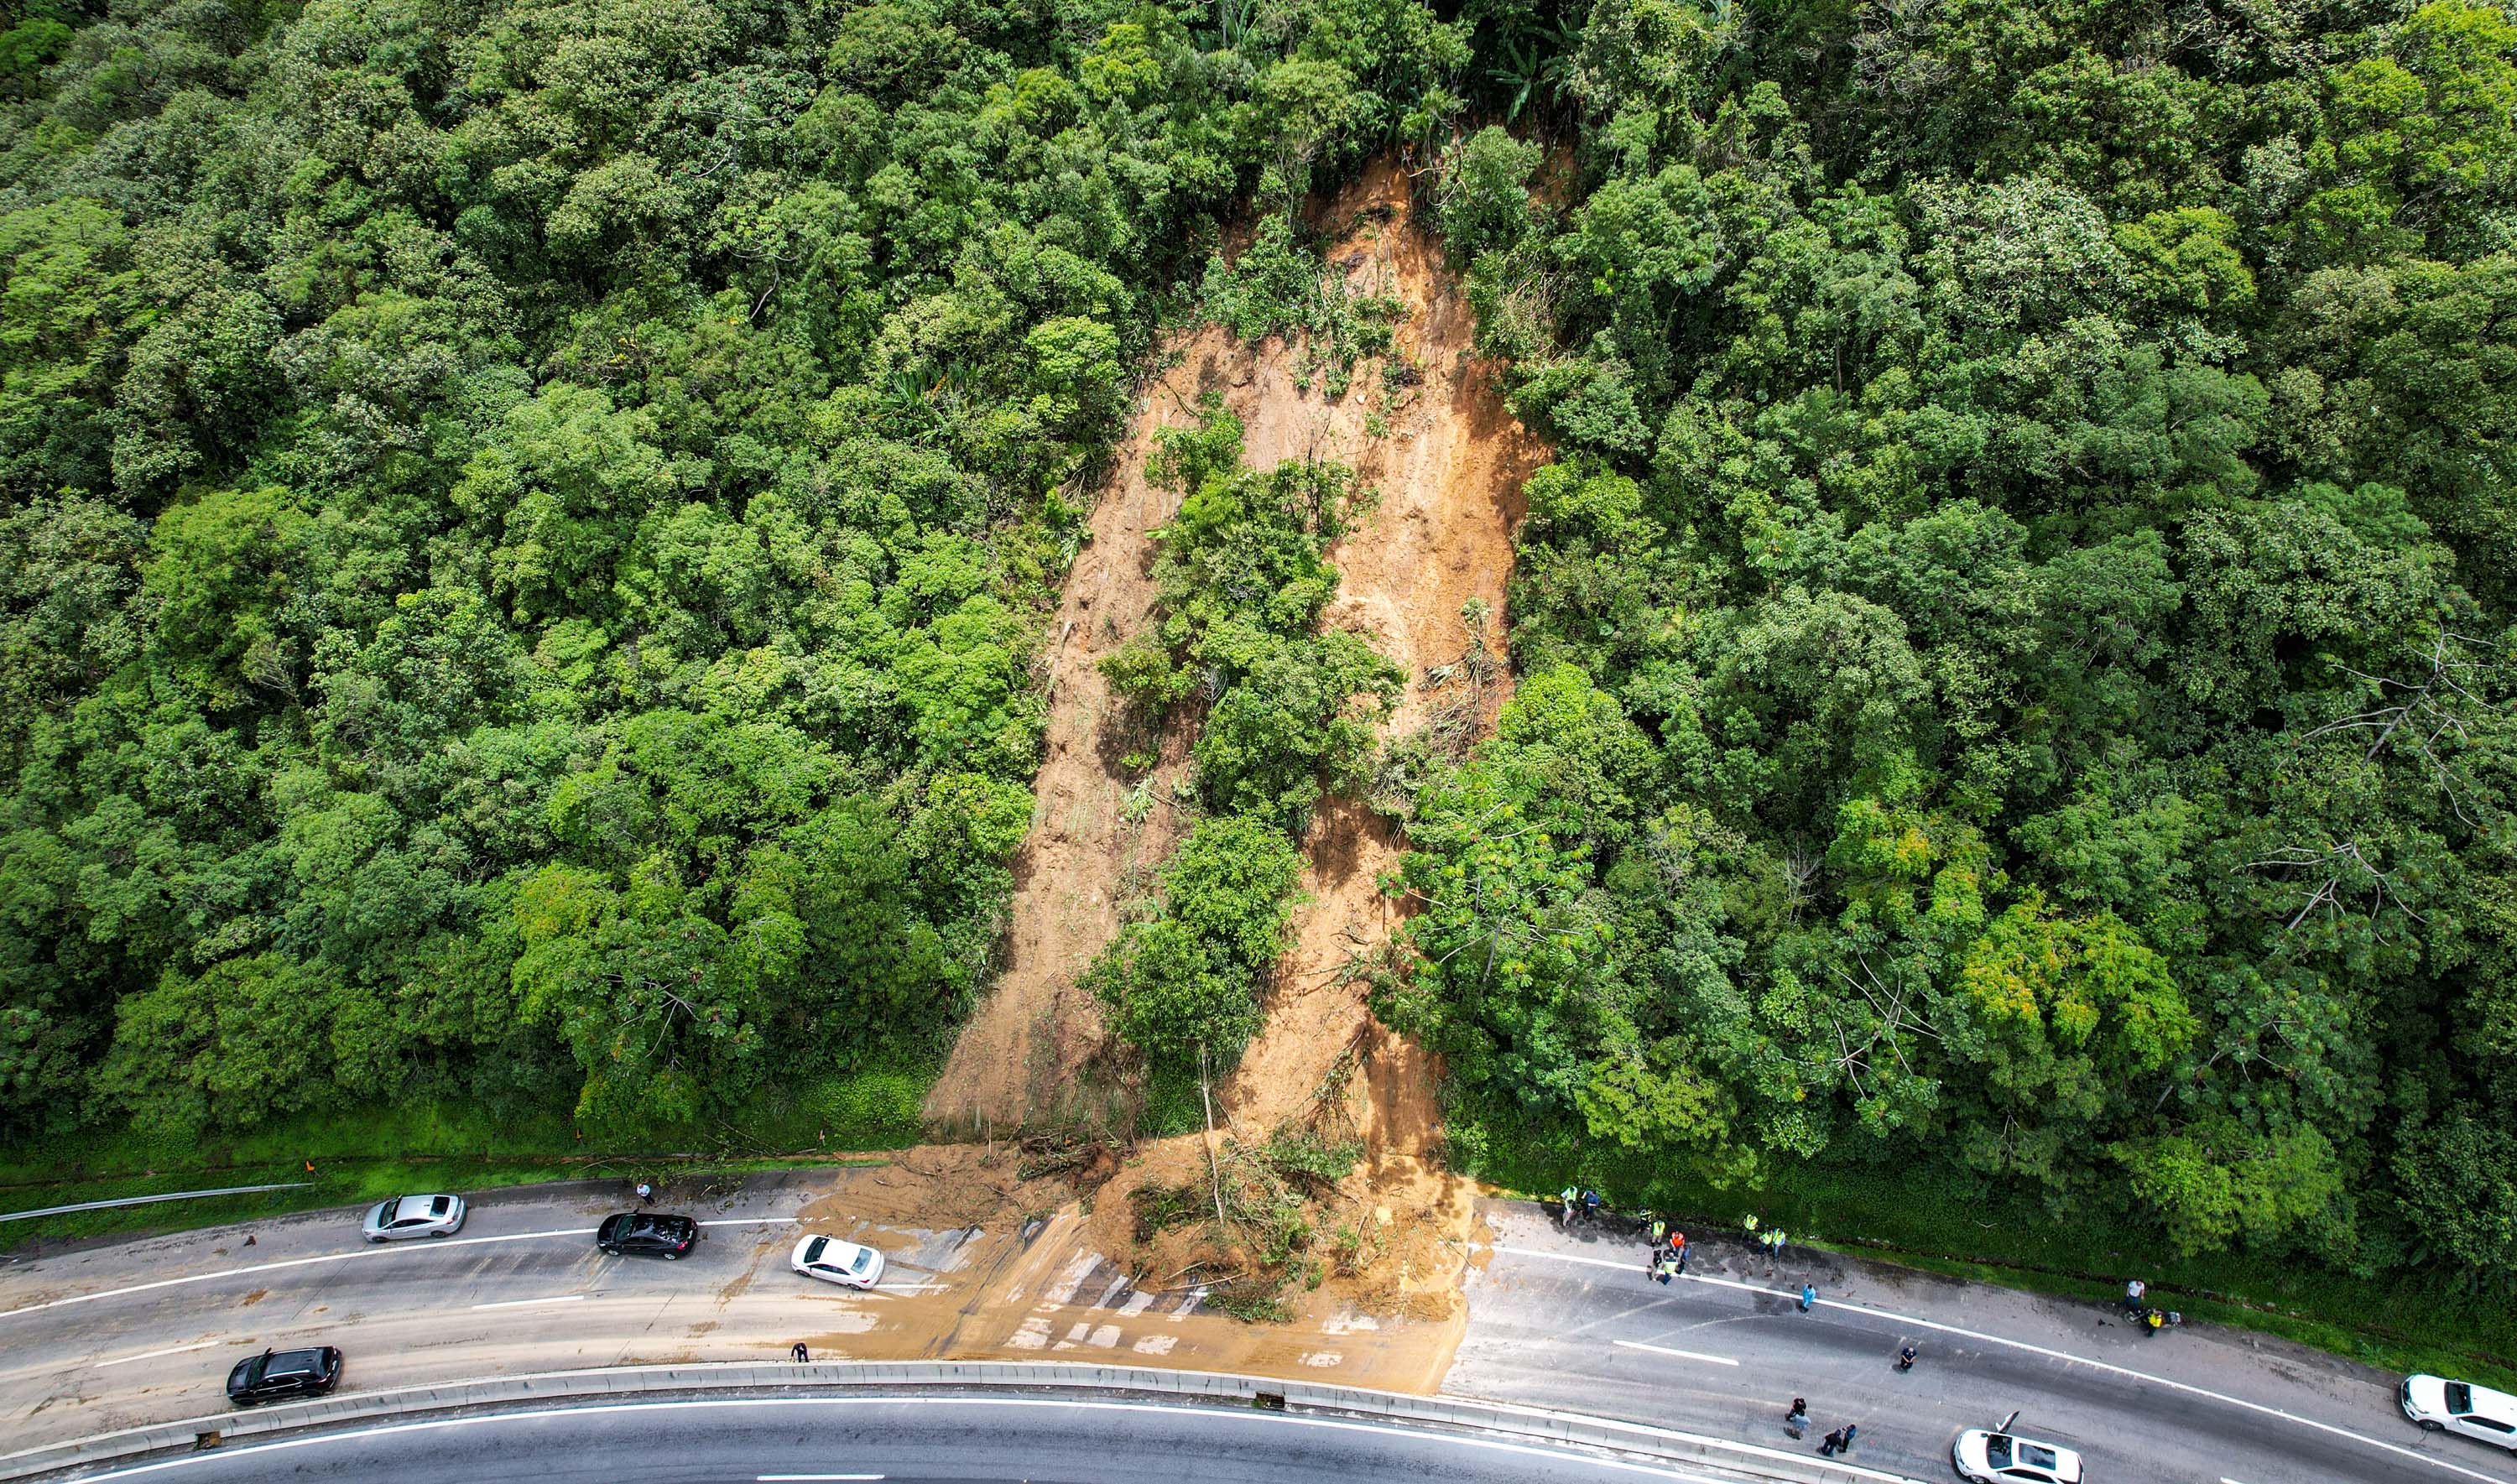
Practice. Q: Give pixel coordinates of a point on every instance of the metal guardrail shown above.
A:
(180, 1195)
(1745, 1460)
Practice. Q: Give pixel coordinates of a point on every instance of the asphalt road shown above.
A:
(118, 1335)
(124, 1334)
(1570, 1321)
(898, 1440)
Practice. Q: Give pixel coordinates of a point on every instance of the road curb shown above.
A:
(1747, 1461)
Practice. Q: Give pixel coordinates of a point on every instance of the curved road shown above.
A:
(894, 1439)
(109, 1336)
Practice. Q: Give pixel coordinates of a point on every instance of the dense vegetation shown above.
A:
(2017, 645)
(525, 521)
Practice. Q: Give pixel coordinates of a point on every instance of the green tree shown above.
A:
(1193, 976)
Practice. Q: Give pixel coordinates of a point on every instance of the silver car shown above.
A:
(415, 1216)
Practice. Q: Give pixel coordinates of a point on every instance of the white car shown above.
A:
(1997, 1458)
(413, 1216)
(2444, 1406)
(834, 1260)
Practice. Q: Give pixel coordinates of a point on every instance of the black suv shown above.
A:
(279, 1375)
(647, 1234)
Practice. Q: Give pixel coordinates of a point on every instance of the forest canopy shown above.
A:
(528, 524)
(2016, 644)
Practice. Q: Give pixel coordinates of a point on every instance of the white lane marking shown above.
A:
(2065, 1356)
(784, 1478)
(153, 1354)
(1195, 1413)
(1719, 1360)
(397, 1249)
(377, 1253)
(518, 1303)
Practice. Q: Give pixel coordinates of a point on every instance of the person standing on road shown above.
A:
(646, 1192)
(1565, 1200)
(1677, 1247)
(801, 1354)
(1808, 1296)
(1849, 1429)
(1659, 1229)
(2134, 1290)
(1834, 1442)
(1590, 1204)
(1795, 1421)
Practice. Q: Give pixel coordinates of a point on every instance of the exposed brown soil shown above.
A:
(1018, 1059)
(1039, 1271)
(1448, 472)
(1430, 436)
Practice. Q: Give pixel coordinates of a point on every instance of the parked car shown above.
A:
(1997, 1458)
(2441, 1405)
(415, 1216)
(836, 1260)
(279, 1375)
(647, 1234)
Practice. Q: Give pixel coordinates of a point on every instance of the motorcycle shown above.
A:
(2151, 1321)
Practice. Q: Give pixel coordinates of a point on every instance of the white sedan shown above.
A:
(2444, 1406)
(834, 1260)
(1997, 1458)
(413, 1216)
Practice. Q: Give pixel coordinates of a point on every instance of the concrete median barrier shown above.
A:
(1743, 1461)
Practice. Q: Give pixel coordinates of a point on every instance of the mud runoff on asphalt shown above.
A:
(1034, 1270)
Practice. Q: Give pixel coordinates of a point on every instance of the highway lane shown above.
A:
(897, 1440)
(112, 1336)
(1571, 1321)
(120, 1335)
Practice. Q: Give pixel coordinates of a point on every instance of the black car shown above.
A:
(279, 1375)
(647, 1234)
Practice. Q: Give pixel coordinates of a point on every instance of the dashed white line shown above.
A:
(373, 1253)
(153, 1354)
(1637, 1344)
(797, 1478)
(518, 1303)
(398, 1249)
(2065, 1356)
